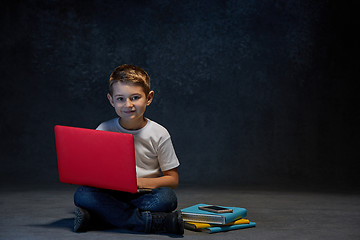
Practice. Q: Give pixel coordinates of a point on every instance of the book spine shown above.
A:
(197, 225)
(211, 219)
(227, 228)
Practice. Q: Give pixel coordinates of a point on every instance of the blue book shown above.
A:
(194, 214)
(227, 228)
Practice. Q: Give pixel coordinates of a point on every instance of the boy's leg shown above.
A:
(159, 200)
(105, 204)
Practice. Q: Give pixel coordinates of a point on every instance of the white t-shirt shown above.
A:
(154, 151)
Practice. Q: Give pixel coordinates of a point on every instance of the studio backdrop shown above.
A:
(252, 92)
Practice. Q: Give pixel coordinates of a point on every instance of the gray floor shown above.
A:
(47, 214)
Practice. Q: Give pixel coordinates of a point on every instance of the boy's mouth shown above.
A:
(129, 111)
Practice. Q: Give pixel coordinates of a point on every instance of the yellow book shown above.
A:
(198, 225)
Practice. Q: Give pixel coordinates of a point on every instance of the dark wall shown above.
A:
(253, 92)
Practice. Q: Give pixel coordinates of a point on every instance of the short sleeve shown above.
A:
(166, 156)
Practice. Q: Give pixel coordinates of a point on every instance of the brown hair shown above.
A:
(130, 74)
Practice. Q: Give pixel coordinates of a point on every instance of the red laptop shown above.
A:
(96, 158)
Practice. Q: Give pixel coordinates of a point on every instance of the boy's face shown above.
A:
(130, 103)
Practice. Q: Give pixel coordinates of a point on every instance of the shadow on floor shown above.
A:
(68, 223)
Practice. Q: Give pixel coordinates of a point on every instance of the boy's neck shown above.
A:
(132, 125)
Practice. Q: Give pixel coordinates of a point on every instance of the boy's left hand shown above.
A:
(141, 182)
(170, 179)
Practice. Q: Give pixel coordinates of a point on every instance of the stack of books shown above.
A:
(199, 220)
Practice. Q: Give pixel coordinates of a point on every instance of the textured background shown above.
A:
(253, 92)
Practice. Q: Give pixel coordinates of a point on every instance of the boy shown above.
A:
(156, 165)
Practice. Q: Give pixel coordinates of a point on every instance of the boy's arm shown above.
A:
(170, 179)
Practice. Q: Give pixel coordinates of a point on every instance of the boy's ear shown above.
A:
(150, 97)
(110, 99)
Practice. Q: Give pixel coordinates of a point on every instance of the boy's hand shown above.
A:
(170, 179)
(141, 182)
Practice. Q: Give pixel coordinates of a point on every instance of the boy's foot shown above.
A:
(81, 220)
(167, 223)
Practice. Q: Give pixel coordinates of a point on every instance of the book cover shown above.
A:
(228, 228)
(197, 226)
(194, 214)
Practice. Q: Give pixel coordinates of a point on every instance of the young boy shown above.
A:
(156, 165)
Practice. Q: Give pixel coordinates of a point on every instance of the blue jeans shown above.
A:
(125, 210)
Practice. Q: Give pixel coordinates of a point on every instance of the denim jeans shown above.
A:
(125, 210)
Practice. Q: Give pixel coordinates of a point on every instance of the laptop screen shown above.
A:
(96, 158)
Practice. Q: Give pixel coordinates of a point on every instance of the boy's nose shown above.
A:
(128, 103)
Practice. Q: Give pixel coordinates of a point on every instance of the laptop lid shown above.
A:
(96, 158)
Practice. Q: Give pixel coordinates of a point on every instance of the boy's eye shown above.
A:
(133, 98)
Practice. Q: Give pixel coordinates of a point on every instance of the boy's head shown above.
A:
(129, 93)
(132, 75)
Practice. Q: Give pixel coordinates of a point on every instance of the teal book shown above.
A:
(227, 228)
(194, 214)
